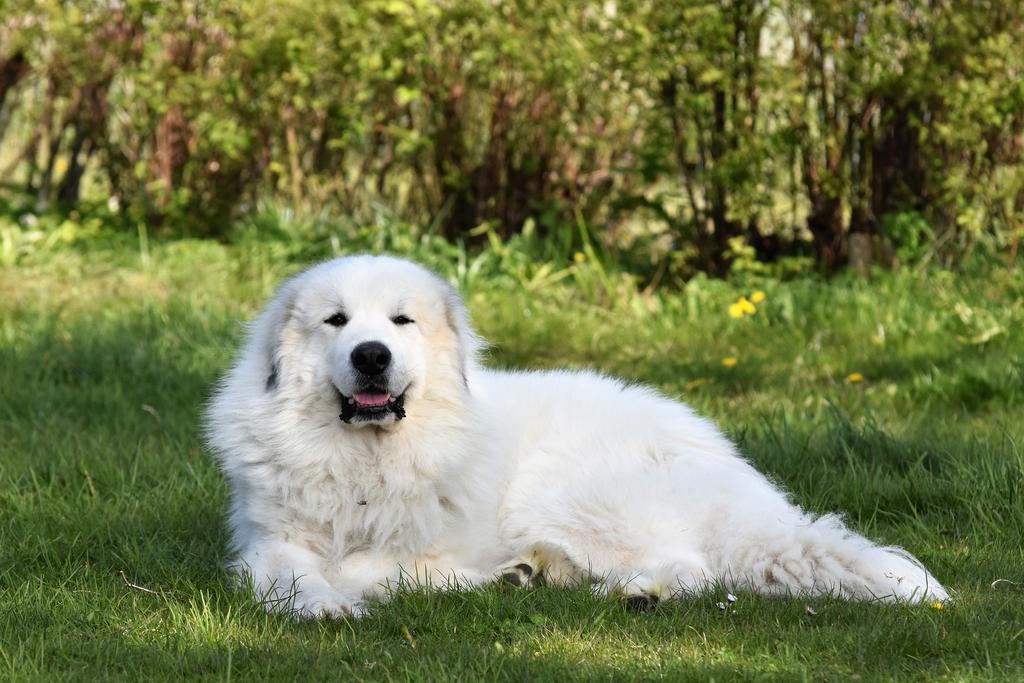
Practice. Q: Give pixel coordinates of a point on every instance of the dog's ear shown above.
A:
(269, 328)
(469, 344)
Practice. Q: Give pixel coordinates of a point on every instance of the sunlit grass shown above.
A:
(896, 399)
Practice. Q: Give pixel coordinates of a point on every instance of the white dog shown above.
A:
(365, 445)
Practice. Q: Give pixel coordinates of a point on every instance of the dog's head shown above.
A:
(377, 335)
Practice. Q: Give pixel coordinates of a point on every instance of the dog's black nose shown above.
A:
(371, 358)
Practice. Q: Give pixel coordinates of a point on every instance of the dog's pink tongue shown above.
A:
(372, 399)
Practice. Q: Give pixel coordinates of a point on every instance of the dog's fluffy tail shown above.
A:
(822, 556)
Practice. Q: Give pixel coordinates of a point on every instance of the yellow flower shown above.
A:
(741, 308)
(854, 377)
(730, 361)
(758, 296)
(937, 605)
(579, 257)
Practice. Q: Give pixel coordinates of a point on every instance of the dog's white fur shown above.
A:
(570, 473)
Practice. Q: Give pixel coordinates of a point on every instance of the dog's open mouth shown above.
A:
(370, 405)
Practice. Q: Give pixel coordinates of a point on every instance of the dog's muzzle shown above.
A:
(373, 400)
(371, 404)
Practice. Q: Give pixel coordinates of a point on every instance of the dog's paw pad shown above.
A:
(520, 575)
(525, 569)
(512, 578)
(641, 602)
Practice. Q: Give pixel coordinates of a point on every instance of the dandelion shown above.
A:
(741, 308)
(937, 605)
(579, 257)
(730, 361)
(854, 377)
(758, 296)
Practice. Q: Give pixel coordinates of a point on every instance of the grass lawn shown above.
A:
(111, 532)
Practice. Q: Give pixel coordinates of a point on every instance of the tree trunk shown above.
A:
(70, 185)
(12, 70)
(825, 222)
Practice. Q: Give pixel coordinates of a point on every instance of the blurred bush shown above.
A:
(684, 130)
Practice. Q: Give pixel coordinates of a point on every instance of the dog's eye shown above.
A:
(337, 320)
(402, 320)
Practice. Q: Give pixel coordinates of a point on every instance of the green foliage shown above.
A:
(910, 232)
(668, 128)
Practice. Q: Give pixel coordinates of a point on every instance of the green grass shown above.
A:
(107, 357)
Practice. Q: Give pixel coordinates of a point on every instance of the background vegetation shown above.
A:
(687, 133)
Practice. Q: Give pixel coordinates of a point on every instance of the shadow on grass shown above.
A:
(103, 464)
(135, 371)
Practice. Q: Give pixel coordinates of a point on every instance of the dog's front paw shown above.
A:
(327, 605)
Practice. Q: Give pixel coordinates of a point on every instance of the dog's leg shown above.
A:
(657, 576)
(446, 571)
(374, 574)
(289, 579)
(798, 555)
(641, 586)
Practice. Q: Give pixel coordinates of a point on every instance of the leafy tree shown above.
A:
(731, 126)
